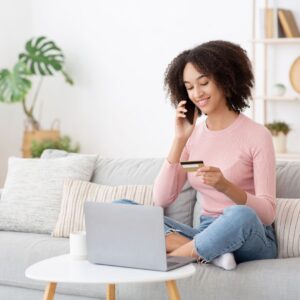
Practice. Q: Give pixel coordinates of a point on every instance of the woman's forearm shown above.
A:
(235, 193)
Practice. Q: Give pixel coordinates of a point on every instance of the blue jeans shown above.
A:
(237, 230)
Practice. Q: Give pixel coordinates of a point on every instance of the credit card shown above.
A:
(192, 165)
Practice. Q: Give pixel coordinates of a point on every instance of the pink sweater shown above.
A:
(243, 152)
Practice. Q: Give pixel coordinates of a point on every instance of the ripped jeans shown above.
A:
(237, 230)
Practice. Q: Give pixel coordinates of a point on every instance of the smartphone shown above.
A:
(190, 107)
(192, 165)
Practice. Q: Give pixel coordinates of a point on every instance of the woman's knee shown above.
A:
(241, 213)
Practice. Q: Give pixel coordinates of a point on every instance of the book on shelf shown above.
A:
(270, 26)
(269, 23)
(278, 23)
(288, 23)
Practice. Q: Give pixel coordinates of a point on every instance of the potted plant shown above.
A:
(279, 131)
(63, 143)
(42, 57)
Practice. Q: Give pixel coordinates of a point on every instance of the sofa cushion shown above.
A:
(33, 189)
(19, 250)
(263, 279)
(287, 227)
(55, 153)
(288, 179)
(197, 211)
(133, 171)
(76, 192)
(273, 279)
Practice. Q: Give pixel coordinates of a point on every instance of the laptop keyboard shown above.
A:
(171, 263)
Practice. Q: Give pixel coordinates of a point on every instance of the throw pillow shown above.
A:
(55, 153)
(76, 192)
(32, 192)
(287, 227)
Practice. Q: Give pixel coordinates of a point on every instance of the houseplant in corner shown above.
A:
(279, 131)
(42, 57)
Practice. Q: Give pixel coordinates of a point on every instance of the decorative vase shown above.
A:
(278, 89)
(279, 142)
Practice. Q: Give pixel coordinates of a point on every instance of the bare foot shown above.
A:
(175, 240)
(187, 249)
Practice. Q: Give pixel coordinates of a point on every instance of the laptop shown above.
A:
(128, 236)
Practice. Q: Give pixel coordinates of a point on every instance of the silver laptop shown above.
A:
(128, 236)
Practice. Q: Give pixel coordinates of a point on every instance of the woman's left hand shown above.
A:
(213, 176)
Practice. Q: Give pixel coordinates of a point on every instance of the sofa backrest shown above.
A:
(131, 171)
(124, 171)
(288, 179)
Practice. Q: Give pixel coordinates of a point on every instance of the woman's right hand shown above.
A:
(183, 128)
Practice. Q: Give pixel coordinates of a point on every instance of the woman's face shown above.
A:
(203, 91)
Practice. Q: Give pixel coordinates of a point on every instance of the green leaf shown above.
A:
(14, 85)
(277, 126)
(42, 56)
(64, 143)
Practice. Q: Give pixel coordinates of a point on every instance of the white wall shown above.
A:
(117, 52)
(16, 27)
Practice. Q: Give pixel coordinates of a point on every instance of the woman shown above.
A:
(237, 181)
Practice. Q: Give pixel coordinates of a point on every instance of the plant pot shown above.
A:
(37, 135)
(279, 142)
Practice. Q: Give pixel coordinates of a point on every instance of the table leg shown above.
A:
(172, 290)
(111, 292)
(50, 291)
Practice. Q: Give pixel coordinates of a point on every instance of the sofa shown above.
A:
(264, 279)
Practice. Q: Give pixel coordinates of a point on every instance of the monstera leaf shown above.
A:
(43, 57)
(14, 84)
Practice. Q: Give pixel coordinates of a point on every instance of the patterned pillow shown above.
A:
(287, 227)
(31, 198)
(76, 192)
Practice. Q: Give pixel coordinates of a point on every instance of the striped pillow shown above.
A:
(287, 227)
(76, 192)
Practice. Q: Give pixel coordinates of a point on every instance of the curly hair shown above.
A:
(228, 65)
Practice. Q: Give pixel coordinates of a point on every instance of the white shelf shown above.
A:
(263, 99)
(293, 156)
(277, 41)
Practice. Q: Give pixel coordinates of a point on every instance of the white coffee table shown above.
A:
(65, 269)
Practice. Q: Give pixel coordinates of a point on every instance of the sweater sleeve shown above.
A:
(169, 181)
(263, 202)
